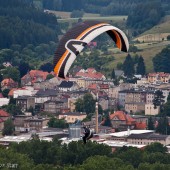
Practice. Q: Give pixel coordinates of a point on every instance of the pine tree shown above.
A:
(107, 121)
(150, 124)
(128, 66)
(166, 110)
(163, 126)
(113, 76)
(8, 127)
(140, 69)
(158, 99)
(161, 61)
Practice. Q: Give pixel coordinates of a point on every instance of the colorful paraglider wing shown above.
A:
(79, 36)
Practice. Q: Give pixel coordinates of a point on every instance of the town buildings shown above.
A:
(128, 105)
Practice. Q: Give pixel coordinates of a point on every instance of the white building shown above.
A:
(4, 101)
(142, 81)
(150, 110)
(26, 91)
(165, 94)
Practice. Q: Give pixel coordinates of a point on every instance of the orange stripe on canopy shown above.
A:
(58, 65)
(118, 42)
(88, 29)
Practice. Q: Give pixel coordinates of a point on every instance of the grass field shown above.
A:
(66, 15)
(158, 32)
(109, 18)
(162, 27)
(148, 52)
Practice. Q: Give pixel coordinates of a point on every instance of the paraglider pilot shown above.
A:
(88, 133)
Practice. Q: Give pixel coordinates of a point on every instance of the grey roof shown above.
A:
(66, 84)
(24, 97)
(80, 91)
(149, 136)
(118, 73)
(54, 101)
(139, 116)
(137, 91)
(73, 113)
(47, 92)
(138, 103)
(104, 127)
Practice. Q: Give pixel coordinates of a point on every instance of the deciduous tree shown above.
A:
(8, 127)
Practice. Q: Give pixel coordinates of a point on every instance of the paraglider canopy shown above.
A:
(78, 37)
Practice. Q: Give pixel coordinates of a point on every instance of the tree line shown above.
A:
(27, 34)
(37, 154)
(141, 15)
(132, 65)
(161, 61)
(30, 54)
(103, 7)
(144, 16)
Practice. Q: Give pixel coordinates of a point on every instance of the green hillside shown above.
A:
(156, 33)
(148, 52)
(27, 34)
(148, 49)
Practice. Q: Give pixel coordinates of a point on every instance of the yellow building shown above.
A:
(71, 117)
(71, 104)
(81, 82)
(160, 76)
(134, 107)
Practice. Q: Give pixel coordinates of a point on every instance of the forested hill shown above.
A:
(21, 23)
(142, 15)
(103, 7)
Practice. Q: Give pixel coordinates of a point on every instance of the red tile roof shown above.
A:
(141, 125)
(92, 86)
(1, 96)
(123, 116)
(91, 70)
(1, 120)
(36, 73)
(119, 114)
(11, 92)
(7, 82)
(93, 44)
(152, 74)
(104, 86)
(161, 74)
(90, 73)
(99, 93)
(3, 113)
